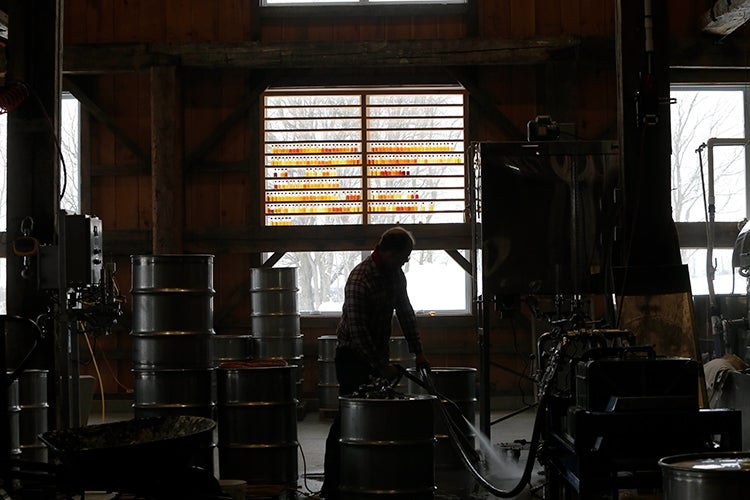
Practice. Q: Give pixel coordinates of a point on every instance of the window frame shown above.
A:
(367, 189)
(692, 235)
(362, 236)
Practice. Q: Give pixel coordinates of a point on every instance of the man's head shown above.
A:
(395, 246)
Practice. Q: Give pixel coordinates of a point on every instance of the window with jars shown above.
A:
(367, 156)
(364, 157)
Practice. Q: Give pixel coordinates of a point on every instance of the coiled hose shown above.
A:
(468, 455)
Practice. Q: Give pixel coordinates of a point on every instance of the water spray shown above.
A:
(470, 456)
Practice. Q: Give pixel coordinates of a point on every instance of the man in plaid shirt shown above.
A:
(374, 290)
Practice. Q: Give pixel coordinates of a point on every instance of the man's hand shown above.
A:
(422, 361)
(389, 372)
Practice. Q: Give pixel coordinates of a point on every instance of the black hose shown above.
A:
(460, 442)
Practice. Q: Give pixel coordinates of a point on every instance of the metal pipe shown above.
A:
(716, 325)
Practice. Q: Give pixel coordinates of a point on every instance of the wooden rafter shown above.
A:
(102, 58)
(214, 138)
(97, 112)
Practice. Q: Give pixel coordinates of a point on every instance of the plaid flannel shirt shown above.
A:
(370, 298)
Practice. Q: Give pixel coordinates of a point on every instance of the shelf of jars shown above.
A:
(315, 219)
(343, 148)
(421, 147)
(312, 148)
(415, 159)
(378, 209)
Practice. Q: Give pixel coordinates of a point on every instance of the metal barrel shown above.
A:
(172, 293)
(273, 302)
(33, 421)
(171, 349)
(703, 476)
(387, 448)
(458, 386)
(172, 392)
(14, 413)
(232, 348)
(288, 349)
(328, 385)
(257, 418)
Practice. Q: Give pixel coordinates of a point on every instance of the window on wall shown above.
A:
(367, 156)
(701, 116)
(356, 157)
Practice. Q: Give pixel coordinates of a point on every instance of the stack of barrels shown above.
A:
(257, 422)
(172, 298)
(275, 321)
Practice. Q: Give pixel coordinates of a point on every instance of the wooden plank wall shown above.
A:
(221, 197)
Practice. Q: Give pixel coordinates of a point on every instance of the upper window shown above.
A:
(354, 2)
(364, 157)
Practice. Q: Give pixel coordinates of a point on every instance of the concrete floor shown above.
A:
(312, 431)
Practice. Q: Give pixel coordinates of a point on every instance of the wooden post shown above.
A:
(166, 161)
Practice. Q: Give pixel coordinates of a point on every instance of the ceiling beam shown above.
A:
(104, 58)
(725, 16)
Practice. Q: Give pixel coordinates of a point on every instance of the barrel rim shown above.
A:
(665, 462)
(241, 368)
(409, 398)
(448, 369)
(172, 256)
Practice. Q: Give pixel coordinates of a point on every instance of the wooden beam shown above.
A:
(227, 124)
(101, 116)
(708, 53)
(693, 234)
(291, 239)
(726, 16)
(166, 155)
(103, 58)
(487, 104)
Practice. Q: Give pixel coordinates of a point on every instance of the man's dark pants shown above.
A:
(351, 371)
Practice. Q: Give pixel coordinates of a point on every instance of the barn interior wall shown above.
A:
(219, 195)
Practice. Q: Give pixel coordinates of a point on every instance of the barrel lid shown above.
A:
(732, 462)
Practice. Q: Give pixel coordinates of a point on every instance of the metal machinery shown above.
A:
(614, 410)
(83, 299)
(607, 408)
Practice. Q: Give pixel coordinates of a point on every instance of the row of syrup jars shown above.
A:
(309, 172)
(313, 208)
(402, 207)
(413, 160)
(272, 197)
(315, 148)
(414, 147)
(279, 185)
(311, 161)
